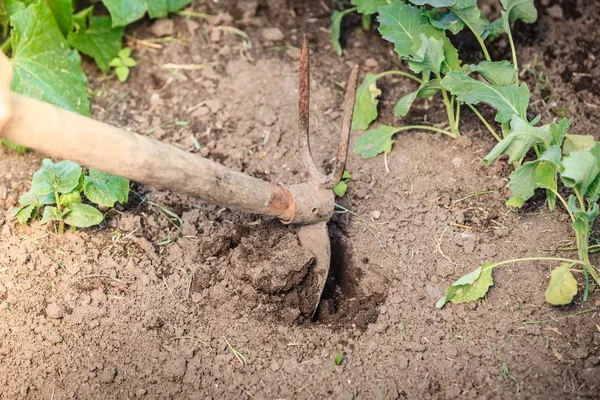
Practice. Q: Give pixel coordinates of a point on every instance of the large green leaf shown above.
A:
(63, 177)
(559, 131)
(470, 287)
(44, 66)
(473, 18)
(403, 105)
(429, 57)
(156, 8)
(520, 9)
(577, 143)
(562, 287)
(24, 213)
(447, 21)
(369, 6)
(98, 40)
(82, 215)
(105, 189)
(375, 141)
(499, 73)
(124, 12)
(401, 24)
(507, 100)
(580, 170)
(365, 108)
(519, 140)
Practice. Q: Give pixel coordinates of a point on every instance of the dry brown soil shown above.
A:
(132, 309)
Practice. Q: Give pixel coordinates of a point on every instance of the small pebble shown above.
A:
(272, 34)
(55, 311)
(163, 27)
(376, 214)
(371, 63)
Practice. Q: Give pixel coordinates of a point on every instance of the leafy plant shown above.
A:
(419, 31)
(575, 159)
(338, 357)
(122, 63)
(56, 189)
(44, 39)
(340, 188)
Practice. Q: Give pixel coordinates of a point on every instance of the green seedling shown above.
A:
(507, 375)
(419, 32)
(122, 63)
(44, 39)
(574, 160)
(55, 195)
(341, 188)
(338, 357)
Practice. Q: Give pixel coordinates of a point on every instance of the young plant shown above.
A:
(419, 34)
(340, 188)
(575, 159)
(122, 63)
(56, 189)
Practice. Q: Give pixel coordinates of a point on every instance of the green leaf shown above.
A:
(494, 29)
(13, 146)
(122, 73)
(540, 173)
(574, 143)
(447, 21)
(434, 3)
(63, 177)
(129, 62)
(580, 170)
(124, 12)
(157, 8)
(507, 100)
(83, 216)
(44, 66)
(66, 199)
(403, 105)
(105, 189)
(99, 40)
(473, 18)
(519, 140)
(24, 213)
(124, 52)
(375, 141)
(365, 109)
(369, 6)
(562, 287)
(63, 12)
(451, 60)
(340, 189)
(499, 73)
(50, 214)
(470, 287)
(400, 24)
(520, 9)
(429, 57)
(336, 23)
(176, 5)
(429, 89)
(116, 62)
(559, 131)
(515, 201)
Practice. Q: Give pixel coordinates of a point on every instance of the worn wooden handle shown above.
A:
(62, 134)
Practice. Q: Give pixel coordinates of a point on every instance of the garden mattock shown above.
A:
(306, 206)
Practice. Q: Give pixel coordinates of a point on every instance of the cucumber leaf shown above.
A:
(42, 55)
(64, 177)
(97, 39)
(176, 5)
(50, 214)
(156, 8)
(105, 189)
(507, 100)
(124, 12)
(82, 215)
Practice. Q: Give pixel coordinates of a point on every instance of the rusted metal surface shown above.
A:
(325, 181)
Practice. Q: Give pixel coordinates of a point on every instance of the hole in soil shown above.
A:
(344, 301)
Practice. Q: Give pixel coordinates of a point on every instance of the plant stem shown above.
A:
(564, 203)
(514, 54)
(7, 45)
(424, 127)
(457, 115)
(487, 125)
(401, 73)
(449, 111)
(367, 21)
(61, 223)
(514, 260)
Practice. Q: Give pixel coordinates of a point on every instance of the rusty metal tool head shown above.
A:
(315, 237)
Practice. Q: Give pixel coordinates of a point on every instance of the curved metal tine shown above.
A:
(326, 181)
(303, 109)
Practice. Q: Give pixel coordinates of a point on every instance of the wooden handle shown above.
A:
(62, 134)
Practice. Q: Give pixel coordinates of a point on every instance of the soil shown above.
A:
(143, 307)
